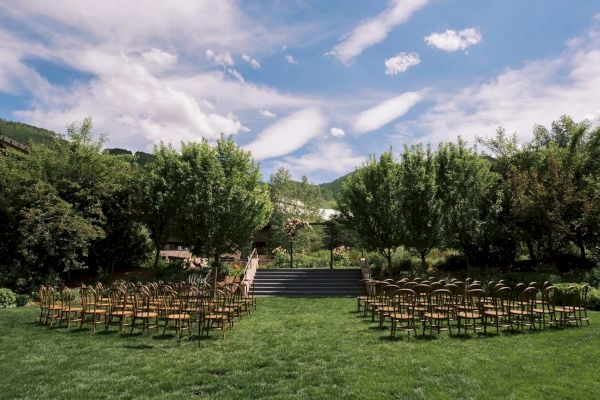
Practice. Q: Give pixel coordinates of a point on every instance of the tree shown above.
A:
(55, 201)
(467, 189)
(370, 202)
(224, 201)
(294, 200)
(161, 194)
(420, 206)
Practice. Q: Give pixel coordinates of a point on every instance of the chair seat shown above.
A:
(495, 313)
(543, 311)
(179, 316)
(73, 309)
(53, 308)
(146, 314)
(435, 315)
(401, 316)
(215, 316)
(521, 312)
(468, 315)
(385, 308)
(121, 313)
(95, 311)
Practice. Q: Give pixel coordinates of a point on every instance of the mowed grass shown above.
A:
(296, 348)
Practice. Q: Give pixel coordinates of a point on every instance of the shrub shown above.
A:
(7, 298)
(593, 299)
(22, 300)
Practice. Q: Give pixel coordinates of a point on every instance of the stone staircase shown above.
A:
(307, 282)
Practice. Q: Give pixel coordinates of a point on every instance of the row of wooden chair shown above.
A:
(177, 306)
(439, 305)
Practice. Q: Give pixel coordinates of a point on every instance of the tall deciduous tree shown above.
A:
(420, 205)
(161, 195)
(224, 200)
(370, 201)
(467, 189)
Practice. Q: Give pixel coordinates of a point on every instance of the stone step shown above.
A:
(307, 282)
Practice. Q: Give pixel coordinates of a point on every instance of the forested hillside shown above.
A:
(24, 133)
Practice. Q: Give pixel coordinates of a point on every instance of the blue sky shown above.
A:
(313, 86)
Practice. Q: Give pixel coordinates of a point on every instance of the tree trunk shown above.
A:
(291, 254)
(156, 256)
(581, 246)
(388, 256)
(423, 253)
(530, 249)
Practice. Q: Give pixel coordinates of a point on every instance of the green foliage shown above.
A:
(370, 203)
(161, 195)
(469, 197)
(593, 296)
(26, 134)
(294, 200)
(420, 207)
(21, 300)
(224, 200)
(7, 298)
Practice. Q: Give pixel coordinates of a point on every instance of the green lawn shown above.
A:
(296, 348)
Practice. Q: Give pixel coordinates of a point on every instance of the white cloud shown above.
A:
(384, 113)
(452, 40)
(250, 61)
(223, 59)
(288, 134)
(537, 93)
(268, 114)
(290, 59)
(159, 57)
(376, 29)
(401, 62)
(337, 132)
(234, 72)
(331, 159)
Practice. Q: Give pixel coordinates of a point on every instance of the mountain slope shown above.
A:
(26, 134)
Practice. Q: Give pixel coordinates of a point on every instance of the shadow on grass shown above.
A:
(138, 347)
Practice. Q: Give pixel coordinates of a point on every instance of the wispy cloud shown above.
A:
(290, 59)
(250, 61)
(223, 59)
(452, 40)
(386, 112)
(330, 159)
(376, 29)
(288, 134)
(268, 114)
(537, 93)
(337, 132)
(401, 62)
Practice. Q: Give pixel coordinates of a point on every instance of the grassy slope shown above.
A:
(295, 348)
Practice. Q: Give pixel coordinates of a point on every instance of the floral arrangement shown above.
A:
(292, 226)
(279, 250)
(341, 253)
(195, 264)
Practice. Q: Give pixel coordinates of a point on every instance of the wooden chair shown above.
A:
(499, 312)
(471, 310)
(120, 307)
(212, 316)
(144, 310)
(68, 311)
(522, 309)
(42, 293)
(90, 302)
(53, 307)
(177, 308)
(438, 313)
(403, 318)
(545, 308)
